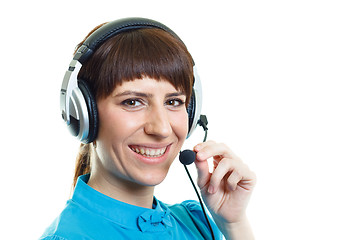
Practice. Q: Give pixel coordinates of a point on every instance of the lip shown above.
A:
(151, 160)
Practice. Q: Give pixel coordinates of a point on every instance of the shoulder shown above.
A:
(188, 206)
(191, 207)
(68, 225)
(191, 214)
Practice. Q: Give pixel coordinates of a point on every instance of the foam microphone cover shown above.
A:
(187, 157)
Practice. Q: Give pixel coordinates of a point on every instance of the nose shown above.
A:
(158, 123)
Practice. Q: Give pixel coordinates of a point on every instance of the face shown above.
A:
(143, 125)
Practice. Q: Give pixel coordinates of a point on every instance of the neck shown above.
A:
(122, 190)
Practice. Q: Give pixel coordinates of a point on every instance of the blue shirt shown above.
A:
(93, 215)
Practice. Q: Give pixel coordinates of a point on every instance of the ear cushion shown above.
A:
(191, 110)
(92, 111)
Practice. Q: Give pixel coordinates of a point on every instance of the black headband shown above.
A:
(113, 28)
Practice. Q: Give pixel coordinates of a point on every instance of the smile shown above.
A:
(149, 152)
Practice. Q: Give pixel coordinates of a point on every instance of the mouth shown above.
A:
(149, 152)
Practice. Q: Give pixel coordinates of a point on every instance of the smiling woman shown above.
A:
(133, 55)
(133, 133)
(130, 97)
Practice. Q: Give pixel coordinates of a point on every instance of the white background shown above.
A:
(281, 88)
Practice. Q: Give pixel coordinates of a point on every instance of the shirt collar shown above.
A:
(127, 215)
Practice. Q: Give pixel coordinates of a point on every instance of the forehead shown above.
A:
(146, 85)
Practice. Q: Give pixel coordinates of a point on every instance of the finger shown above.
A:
(243, 177)
(199, 146)
(223, 168)
(212, 149)
(233, 180)
(248, 179)
(203, 173)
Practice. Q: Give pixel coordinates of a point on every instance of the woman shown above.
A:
(137, 84)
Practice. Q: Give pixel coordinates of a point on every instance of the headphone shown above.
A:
(78, 104)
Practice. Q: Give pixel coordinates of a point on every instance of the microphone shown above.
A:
(187, 157)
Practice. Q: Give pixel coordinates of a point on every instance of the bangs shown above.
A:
(135, 54)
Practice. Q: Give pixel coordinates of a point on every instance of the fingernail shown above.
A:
(198, 147)
(211, 189)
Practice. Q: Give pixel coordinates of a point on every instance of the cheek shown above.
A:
(115, 124)
(180, 124)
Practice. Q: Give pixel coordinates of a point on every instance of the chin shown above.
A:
(152, 179)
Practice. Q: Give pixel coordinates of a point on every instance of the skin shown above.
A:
(152, 114)
(227, 190)
(144, 113)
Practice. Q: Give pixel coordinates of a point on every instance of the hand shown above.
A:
(227, 190)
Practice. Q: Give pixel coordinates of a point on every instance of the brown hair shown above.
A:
(132, 55)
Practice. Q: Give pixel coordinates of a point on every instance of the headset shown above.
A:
(78, 104)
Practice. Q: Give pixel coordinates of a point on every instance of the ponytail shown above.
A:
(82, 165)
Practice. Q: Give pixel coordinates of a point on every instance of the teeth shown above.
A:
(149, 152)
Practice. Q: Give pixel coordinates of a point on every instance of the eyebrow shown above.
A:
(147, 95)
(175, 94)
(139, 94)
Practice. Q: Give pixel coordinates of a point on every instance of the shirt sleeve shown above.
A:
(194, 211)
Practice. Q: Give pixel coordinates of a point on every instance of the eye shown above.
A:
(175, 102)
(132, 103)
